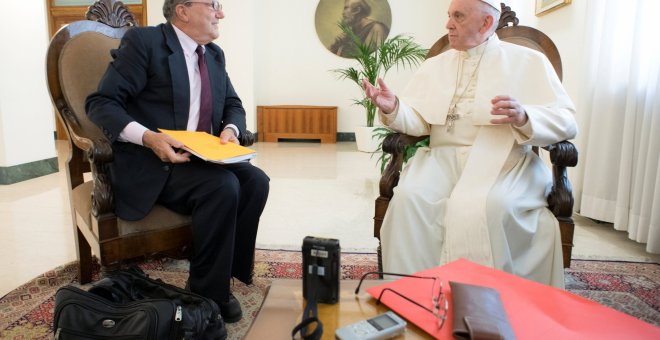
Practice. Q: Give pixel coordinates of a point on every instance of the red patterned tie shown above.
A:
(205, 105)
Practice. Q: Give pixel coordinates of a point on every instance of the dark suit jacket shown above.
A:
(147, 82)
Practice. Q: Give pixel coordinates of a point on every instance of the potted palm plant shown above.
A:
(375, 60)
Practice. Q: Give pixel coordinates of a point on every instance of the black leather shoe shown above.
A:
(231, 310)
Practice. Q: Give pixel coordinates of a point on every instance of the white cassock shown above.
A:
(479, 191)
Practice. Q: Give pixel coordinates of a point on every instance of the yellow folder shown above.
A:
(208, 147)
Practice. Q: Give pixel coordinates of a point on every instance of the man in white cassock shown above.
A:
(478, 191)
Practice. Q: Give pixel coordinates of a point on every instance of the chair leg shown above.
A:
(84, 258)
(109, 268)
(382, 202)
(567, 229)
(380, 260)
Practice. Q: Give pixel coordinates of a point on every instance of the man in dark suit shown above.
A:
(154, 81)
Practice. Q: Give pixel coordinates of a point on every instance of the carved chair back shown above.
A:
(77, 58)
(509, 31)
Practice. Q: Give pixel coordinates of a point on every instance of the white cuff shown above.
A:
(388, 118)
(523, 134)
(133, 133)
(233, 127)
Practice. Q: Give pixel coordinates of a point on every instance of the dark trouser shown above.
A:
(225, 202)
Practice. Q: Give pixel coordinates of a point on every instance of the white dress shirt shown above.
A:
(134, 131)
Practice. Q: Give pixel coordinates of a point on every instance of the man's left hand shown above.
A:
(510, 110)
(227, 135)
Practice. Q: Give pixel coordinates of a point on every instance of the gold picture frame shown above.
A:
(546, 6)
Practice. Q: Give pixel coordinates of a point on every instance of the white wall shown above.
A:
(26, 114)
(238, 36)
(285, 63)
(565, 26)
(237, 39)
(292, 65)
(273, 57)
(155, 12)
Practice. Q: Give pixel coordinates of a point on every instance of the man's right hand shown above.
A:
(382, 97)
(163, 146)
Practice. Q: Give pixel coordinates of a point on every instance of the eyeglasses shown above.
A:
(439, 301)
(217, 6)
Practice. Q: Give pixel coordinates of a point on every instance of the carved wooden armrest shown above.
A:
(562, 155)
(97, 150)
(560, 199)
(247, 138)
(100, 156)
(394, 144)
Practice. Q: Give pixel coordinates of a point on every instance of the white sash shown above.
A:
(466, 228)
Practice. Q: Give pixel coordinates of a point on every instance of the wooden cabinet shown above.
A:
(297, 122)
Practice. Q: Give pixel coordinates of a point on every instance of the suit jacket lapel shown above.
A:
(179, 74)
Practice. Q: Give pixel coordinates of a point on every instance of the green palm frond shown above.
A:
(376, 61)
(410, 150)
(400, 51)
(349, 73)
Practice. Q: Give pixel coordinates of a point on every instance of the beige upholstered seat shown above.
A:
(83, 61)
(159, 218)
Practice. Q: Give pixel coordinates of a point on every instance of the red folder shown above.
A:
(535, 311)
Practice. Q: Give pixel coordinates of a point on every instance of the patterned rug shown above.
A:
(629, 287)
(27, 311)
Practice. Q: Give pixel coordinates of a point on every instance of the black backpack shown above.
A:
(129, 304)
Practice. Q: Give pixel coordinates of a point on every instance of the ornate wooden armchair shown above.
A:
(78, 56)
(562, 154)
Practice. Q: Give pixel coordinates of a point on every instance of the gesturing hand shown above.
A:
(163, 146)
(510, 109)
(382, 97)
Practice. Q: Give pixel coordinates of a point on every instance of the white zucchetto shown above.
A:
(494, 3)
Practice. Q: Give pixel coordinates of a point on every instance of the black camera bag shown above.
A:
(136, 305)
(83, 315)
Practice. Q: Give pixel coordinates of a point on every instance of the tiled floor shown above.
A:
(323, 190)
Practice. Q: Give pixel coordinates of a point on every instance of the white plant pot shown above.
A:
(364, 140)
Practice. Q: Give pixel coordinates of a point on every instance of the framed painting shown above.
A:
(370, 20)
(546, 6)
